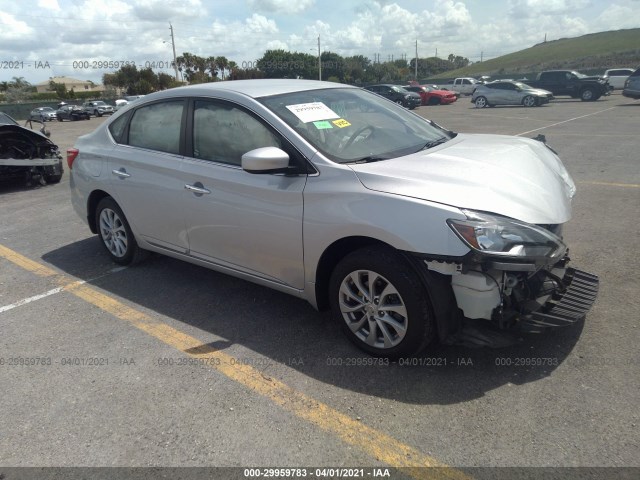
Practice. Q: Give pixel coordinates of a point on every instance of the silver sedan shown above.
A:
(336, 195)
(508, 92)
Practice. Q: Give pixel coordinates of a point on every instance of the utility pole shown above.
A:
(319, 61)
(173, 44)
(416, 60)
(481, 56)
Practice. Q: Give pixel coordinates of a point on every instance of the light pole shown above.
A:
(173, 44)
(319, 61)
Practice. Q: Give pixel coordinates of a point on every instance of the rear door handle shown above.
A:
(122, 173)
(197, 188)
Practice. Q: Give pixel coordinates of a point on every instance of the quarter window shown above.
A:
(117, 128)
(157, 127)
(224, 132)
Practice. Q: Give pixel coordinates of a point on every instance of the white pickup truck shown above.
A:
(463, 85)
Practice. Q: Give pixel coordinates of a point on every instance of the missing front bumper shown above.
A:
(563, 309)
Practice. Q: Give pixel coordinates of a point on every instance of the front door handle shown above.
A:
(122, 173)
(197, 188)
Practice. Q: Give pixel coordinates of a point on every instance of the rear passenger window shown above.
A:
(157, 126)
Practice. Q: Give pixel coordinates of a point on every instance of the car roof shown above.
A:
(251, 88)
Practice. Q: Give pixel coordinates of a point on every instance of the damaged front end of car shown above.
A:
(29, 156)
(516, 276)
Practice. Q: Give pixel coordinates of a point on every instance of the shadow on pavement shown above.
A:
(288, 330)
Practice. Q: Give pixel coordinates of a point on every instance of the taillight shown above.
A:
(72, 153)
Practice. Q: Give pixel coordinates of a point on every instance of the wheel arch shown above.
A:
(330, 258)
(448, 317)
(92, 204)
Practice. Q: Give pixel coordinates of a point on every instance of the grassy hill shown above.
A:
(596, 51)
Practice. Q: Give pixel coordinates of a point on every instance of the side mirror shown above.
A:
(265, 160)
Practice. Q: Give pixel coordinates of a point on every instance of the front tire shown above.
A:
(587, 95)
(481, 102)
(529, 101)
(116, 235)
(381, 304)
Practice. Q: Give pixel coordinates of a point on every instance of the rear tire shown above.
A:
(381, 304)
(116, 235)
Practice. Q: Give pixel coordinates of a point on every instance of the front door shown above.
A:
(247, 222)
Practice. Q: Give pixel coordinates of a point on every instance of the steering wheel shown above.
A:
(357, 133)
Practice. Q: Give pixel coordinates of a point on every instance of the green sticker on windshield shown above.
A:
(322, 125)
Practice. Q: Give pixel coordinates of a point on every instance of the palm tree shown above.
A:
(222, 64)
(232, 66)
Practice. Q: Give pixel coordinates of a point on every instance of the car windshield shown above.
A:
(521, 85)
(352, 125)
(579, 75)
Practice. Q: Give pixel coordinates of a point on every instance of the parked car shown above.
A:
(463, 85)
(572, 84)
(46, 114)
(72, 112)
(430, 96)
(97, 108)
(123, 102)
(26, 154)
(632, 85)
(503, 92)
(397, 94)
(617, 76)
(335, 195)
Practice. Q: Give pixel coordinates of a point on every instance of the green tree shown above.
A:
(223, 64)
(59, 88)
(283, 64)
(332, 66)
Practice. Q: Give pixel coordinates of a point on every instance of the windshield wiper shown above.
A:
(433, 143)
(369, 159)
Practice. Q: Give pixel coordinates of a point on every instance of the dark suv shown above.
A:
(397, 94)
(632, 85)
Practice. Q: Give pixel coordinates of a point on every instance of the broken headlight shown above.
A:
(506, 238)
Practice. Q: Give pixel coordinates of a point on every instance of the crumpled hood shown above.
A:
(511, 176)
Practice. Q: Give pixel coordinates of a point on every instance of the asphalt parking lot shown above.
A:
(170, 364)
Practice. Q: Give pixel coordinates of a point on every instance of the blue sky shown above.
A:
(70, 34)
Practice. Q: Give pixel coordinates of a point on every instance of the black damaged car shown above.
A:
(72, 112)
(28, 155)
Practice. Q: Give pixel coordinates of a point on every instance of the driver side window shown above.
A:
(224, 132)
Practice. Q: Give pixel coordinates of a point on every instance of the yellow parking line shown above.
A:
(25, 263)
(610, 184)
(378, 445)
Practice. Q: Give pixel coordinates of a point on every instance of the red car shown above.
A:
(430, 96)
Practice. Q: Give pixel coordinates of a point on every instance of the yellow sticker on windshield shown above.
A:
(341, 123)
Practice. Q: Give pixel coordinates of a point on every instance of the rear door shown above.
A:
(144, 170)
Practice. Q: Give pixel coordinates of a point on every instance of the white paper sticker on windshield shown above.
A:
(312, 112)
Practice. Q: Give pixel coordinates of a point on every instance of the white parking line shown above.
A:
(24, 301)
(53, 291)
(565, 121)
